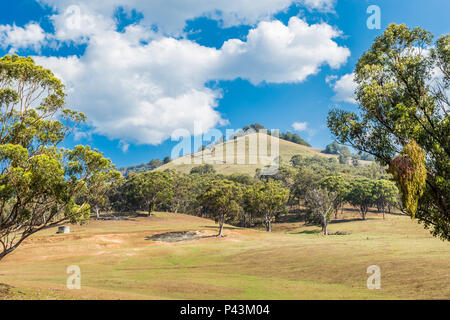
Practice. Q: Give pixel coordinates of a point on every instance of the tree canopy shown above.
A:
(402, 91)
(222, 199)
(41, 184)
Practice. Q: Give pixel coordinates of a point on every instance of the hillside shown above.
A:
(240, 162)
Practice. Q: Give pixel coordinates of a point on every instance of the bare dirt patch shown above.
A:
(178, 236)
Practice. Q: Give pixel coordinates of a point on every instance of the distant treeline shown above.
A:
(143, 167)
(317, 186)
(289, 136)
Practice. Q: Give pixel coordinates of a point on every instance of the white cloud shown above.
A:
(78, 22)
(323, 5)
(142, 91)
(277, 53)
(170, 16)
(14, 37)
(124, 146)
(140, 85)
(343, 87)
(139, 93)
(300, 126)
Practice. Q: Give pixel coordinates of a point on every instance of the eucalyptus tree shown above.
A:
(340, 187)
(385, 195)
(222, 200)
(274, 198)
(361, 195)
(149, 190)
(252, 203)
(403, 82)
(320, 203)
(41, 184)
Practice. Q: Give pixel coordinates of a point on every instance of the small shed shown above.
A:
(63, 229)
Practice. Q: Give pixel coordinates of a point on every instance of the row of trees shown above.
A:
(151, 165)
(345, 155)
(248, 201)
(236, 198)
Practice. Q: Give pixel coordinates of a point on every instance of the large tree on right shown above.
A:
(403, 88)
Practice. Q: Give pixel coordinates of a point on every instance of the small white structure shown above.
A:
(63, 229)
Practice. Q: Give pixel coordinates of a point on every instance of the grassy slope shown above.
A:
(293, 262)
(240, 162)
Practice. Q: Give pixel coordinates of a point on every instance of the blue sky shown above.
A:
(141, 69)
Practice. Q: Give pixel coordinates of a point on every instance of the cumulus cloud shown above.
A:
(278, 53)
(140, 85)
(170, 16)
(14, 37)
(344, 87)
(300, 126)
(141, 91)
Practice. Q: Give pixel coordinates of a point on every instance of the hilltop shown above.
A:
(239, 162)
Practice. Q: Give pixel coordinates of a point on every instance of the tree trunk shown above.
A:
(268, 224)
(220, 229)
(336, 213)
(384, 214)
(150, 209)
(325, 228)
(96, 212)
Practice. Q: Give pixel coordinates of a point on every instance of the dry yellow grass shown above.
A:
(246, 156)
(118, 261)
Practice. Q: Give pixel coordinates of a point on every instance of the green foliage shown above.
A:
(320, 203)
(344, 155)
(385, 194)
(355, 160)
(222, 200)
(332, 148)
(41, 185)
(256, 127)
(410, 173)
(339, 186)
(297, 160)
(148, 190)
(293, 137)
(274, 199)
(361, 195)
(143, 167)
(265, 200)
(366, 156)
(242, 178)
(155, 163)
(401, 101)
(203, 169)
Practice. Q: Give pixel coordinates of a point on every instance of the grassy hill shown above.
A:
(240, 162)
(121, 260)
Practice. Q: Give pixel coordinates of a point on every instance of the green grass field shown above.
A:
(118, 261)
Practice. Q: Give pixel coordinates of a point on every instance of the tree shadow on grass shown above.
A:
(130, 215)
(307, 232)
(290, 218)
(347, 220)
(227, 228)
